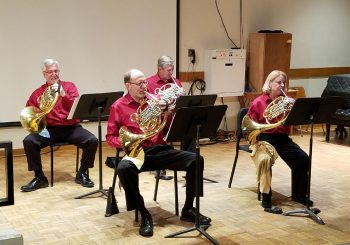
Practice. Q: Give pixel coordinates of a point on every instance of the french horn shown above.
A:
(277, 111)
(33, 118)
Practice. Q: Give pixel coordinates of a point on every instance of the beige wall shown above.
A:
(320, 29)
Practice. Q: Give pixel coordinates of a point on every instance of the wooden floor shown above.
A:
(53, 216)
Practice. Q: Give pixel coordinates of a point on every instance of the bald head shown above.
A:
(132, 74)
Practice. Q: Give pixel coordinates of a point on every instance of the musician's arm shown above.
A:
(112, 136)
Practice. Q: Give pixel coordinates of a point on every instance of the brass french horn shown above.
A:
(150, 118)
(33, 118)
(278, 110)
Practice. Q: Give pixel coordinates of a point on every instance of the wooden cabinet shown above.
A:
(267, 52)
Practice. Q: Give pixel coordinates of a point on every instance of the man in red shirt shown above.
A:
(162, 78)
(157, 154)
(58, 129)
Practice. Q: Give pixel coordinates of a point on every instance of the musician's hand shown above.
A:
(290, 101)
(56, 87)
(163, 105)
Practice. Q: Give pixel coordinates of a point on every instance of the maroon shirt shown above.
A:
(256, 111)
(155, 82)
(119, 115)
(59, 113)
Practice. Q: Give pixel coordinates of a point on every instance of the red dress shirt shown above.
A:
(59, 113)
(155, 82)
(119, 115)
(256, 111)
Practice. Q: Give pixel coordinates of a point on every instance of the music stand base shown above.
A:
(104, 192)
(200, 229)
(210, 180)
(310, 212)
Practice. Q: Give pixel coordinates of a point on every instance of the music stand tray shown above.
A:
(195, 100)
(311, 111)
(193, 123)
(95, 107)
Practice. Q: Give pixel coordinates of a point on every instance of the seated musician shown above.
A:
(275, 141)
(157, 154)
(59, 129)
(163, 77)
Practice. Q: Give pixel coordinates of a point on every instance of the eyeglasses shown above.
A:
(142, 83)
(280, 82)
(52, 71)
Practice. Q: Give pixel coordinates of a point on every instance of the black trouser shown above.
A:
(76, 135)
(294, 157)
(157, 158)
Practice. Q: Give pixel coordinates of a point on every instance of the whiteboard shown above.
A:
(224, 72)
(95, 42)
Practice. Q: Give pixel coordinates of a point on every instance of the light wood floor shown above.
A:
(53, 216)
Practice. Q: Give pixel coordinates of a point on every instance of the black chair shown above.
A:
(239, 147)
(175, 188)
(59, 144)
(118, 158)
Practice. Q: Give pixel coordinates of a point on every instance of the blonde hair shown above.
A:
(270, 78)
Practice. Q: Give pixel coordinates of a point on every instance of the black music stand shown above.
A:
(311, 111)
(92, 107)
(193, 123)
(191, 101)
(195, 100)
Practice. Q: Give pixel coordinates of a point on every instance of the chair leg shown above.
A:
(156, 186)
(51, 155)
(77, 161)
(176, 194)
(328, 130)
(136, 215)
(233, 168)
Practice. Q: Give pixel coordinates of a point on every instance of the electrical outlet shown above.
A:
(191, 52)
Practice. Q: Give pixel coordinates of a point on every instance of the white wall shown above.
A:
(320, 29)
(95, 41)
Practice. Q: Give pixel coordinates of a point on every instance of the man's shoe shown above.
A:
(190, 216)
(35, 184)
(163, 176)
(146, 227)
(273, 210)
(267, 204)
(83, 179)
(302, 200)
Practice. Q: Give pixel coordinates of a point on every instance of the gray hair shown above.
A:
(164, 61)
(49, 62)
(270, 78)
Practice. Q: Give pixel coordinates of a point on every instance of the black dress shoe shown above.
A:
(302, 200)
(35, 184)
(83, 179)
(146, 227)
(267, 204)
(273, 210)
(190, 216)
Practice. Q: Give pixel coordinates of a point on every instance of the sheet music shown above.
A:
(74, 106)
